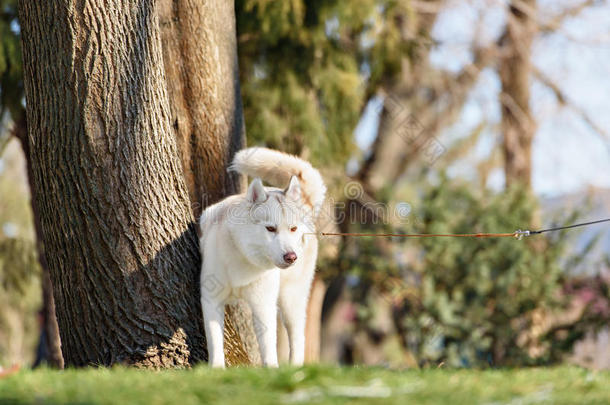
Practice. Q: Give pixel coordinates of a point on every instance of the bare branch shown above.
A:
(427, 7)
(544, 79)
(563, 100)
(555, 23)
(460, 148)
(458, 86)
(5, 130)
(522, 116)
(4, 140)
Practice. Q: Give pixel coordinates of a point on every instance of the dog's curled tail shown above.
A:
(277, 168)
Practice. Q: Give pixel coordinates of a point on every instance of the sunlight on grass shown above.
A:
(320, 384)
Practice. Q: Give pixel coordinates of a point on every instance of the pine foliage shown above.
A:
(308, 67)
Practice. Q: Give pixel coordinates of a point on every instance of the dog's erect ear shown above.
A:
(293, 191)
(256, 191)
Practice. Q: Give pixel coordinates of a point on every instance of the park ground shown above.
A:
(312, 384)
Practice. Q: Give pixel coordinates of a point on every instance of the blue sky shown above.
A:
(568, 155)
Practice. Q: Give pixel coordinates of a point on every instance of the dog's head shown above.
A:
(274, 230)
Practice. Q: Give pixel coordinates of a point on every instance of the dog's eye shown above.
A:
(271, 228)
(293, 229)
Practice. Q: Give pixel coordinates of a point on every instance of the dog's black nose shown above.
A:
(290, 257)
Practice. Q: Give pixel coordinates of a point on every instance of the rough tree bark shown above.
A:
(200, 57)
(518, 125)
(114, 208)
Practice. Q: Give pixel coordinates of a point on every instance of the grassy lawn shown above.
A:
(320, 384)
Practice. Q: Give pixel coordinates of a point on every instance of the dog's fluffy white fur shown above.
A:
(257, 247)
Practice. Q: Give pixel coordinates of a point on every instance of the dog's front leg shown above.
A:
(262, 298)
(213, 319)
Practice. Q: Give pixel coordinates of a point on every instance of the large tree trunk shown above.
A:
(114, 208)
(518, 124)
(50, 327)
(200, 58)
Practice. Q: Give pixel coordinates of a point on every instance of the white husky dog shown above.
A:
(256, 247)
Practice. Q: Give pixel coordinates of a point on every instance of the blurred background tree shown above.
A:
(20, 291)
(11, 83)
(20, 296)
(13, 125)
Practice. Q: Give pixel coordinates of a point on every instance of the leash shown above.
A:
(518, 234)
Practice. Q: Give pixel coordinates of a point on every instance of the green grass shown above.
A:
(320, 384)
